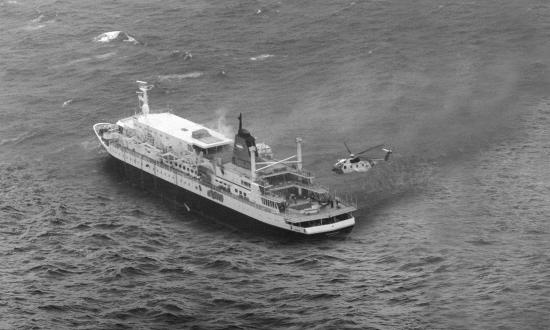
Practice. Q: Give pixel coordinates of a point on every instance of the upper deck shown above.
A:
(179, 128)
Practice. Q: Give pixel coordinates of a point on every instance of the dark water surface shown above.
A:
(453, 233)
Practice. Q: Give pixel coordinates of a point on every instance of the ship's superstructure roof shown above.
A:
(183, 129)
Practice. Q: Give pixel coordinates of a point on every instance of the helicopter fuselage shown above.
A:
(348, 165)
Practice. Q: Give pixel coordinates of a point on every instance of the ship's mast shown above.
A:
(240, 123)
(299, 152)
(252, 162)
(142, 96)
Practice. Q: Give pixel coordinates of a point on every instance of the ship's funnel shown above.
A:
(241, 148)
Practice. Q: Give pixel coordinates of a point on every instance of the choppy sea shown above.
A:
(453, 233)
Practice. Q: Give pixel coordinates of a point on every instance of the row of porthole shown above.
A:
(181, 166)
(356, 165)
(237, 191)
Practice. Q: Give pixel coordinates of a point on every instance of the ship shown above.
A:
(236, 180)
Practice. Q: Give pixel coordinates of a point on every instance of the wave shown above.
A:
(181, 54)
(131, 271)
(18, 138)
(49, 270)
(34, 27)
(107, 226)
(39, 22)
(100, 57)
(219, 264)
(172, 318)
(172, 77)
(261, 57)
(54, 308)
(174, 270)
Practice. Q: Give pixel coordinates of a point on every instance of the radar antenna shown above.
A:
(142, 96)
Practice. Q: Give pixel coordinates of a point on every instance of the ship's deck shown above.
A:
(324, 212)
(180, 128)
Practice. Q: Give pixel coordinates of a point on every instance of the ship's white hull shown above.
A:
(231, 203)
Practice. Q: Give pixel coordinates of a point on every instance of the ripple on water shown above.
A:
(107, 226)
(99, 240)
(144, 268)
(54, 308)
(171, 318)
(480, 242)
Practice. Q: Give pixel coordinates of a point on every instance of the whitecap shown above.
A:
(115, 36)
(99, 57)
(168, 77)
(261, 57)
(38, 19)
(40, 22)
(183, 54)
(34, 27)
(104, 56)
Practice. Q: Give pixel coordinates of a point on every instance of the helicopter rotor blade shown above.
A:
(369, 149)
(349, 151)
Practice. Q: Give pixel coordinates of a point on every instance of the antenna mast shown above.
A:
(240, 122)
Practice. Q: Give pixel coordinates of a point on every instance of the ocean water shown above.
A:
(453, 233)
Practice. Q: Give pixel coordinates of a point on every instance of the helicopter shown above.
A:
(355, 164)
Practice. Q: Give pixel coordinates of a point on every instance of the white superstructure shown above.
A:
(235, 173)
